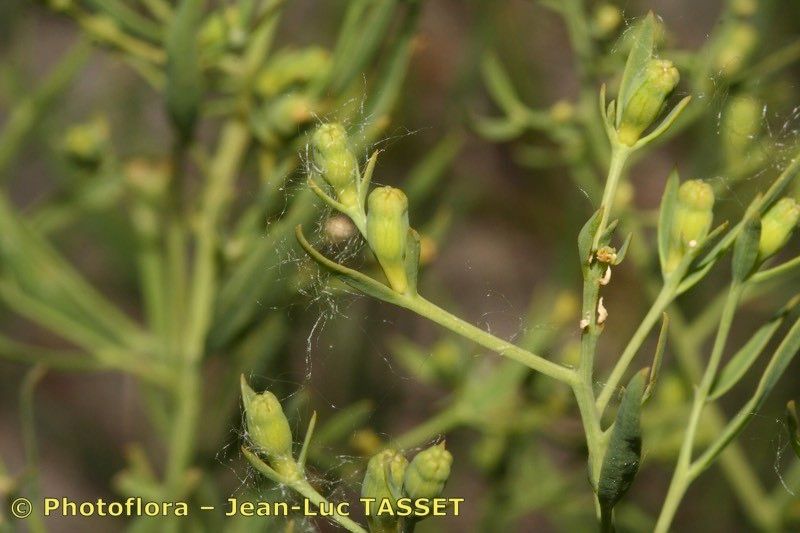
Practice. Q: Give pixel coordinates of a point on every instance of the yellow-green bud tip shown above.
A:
(696, 194)
(329, 137)
(777, 226)
(428, 472)
(376, 483)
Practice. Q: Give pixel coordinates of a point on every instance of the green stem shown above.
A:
(683, 475)
(619, 156)
(431, 311)
(305, 489)
(664, 298)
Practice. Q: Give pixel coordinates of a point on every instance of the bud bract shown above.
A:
(428, 472)
(383, 482)
(387, 233)
(777, 226)
(647, 98)
(694, 213)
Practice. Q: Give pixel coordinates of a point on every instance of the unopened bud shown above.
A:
(337, 162)
(384, 481)
(387, 233)
(735, 46)
(86, 143)
(741, 124)
(267, 426)
(744, 8)
(777, 226)
(691, 221)
(428, 472)
(289, 112)
(647, 99)
(607, 18)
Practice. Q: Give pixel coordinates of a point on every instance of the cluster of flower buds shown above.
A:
(647, 98)
(390, 476)
(382, 218)
(777, 226)
(268, 430)
(337, 164)
(691, 220)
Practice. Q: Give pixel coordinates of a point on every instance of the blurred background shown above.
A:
(505, 230)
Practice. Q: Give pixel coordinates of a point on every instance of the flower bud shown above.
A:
(267, 426)
(741, 123)
(428, 472)
(647, 99)
(744, 8)
(387, 233)
(337, 162)
(735, 46)
(86, 143)
(777, 226)
(606, 19)
(377, 485)
(288, 112)
(691, 220)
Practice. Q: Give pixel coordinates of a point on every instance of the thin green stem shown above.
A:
(431, 311)
(664, 298)
(305, 489)
(683, 474)
(619, 156)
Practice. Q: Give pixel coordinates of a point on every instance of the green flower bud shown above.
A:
(741, 124)
(292, 68)
(267, 426)
(288, 112)
(691, 221)
(383, 481)
(736, 44)
(744, 8)
(606, 19)
(387, 233)
(777, 226)
(86, 143)
(337, 162)
(647, 99)
(428, 472)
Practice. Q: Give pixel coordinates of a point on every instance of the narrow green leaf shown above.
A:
(623, 250)
(640, 54)
(792, 427)
(667, 210)
(658, 358)
(412, 259)
(741, 362)
(745, 250)
(301, 459)
(586, 237)
(621, 462)
(184, 90)
(665, 124)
